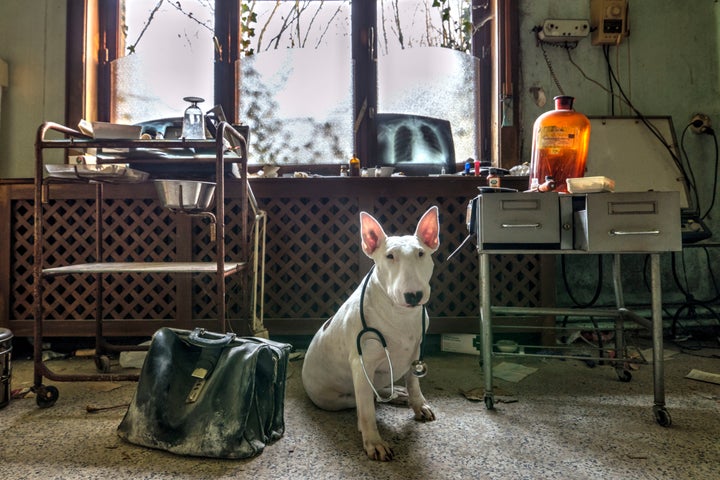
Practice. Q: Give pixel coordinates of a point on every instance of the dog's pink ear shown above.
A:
(428, 229)
(371, 232)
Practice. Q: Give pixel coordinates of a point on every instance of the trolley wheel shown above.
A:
(662, 416)
(46, 396)
(623, 374)
(489, 401)
(102, 363)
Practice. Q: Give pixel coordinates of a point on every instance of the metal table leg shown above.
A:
(486, 328)
(620, 351)
(661, 414)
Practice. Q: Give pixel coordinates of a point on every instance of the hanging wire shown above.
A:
(541, 43)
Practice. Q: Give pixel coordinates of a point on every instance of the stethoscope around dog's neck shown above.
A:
(419, 368)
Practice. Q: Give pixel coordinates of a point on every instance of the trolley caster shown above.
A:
(46, 396)
(662, 416)
(102, 363)
(489, 401)
(623, 374)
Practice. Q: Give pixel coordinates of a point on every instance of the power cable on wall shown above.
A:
(687, 173)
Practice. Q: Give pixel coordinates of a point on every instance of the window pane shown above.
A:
(296, 87)
(433, 82)
(168, 56)
(423, 67)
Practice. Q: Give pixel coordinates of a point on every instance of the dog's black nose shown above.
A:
(413, 298)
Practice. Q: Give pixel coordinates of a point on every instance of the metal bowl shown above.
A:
(187, 196)
(507, 346)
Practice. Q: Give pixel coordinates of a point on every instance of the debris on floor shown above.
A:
(667, 354)
(701, 376)
(134, 358)
(512, 372)
(478, 395)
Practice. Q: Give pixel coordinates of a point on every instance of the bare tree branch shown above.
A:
(133, 47)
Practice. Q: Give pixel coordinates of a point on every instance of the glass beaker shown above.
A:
(193, 120)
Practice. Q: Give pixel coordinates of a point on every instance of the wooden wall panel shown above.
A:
(313, 259)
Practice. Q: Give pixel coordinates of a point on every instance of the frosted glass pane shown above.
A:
(434, 82)
(137, 99)
(173, 58)
(298, 104)
(296, 87)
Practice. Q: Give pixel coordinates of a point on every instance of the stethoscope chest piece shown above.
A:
(419, 368)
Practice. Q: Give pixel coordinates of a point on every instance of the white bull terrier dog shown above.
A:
(376, 336)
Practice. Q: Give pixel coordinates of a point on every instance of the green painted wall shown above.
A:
(32, 42)
(669, 65)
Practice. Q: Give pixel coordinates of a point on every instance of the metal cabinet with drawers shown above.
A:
(556, 224)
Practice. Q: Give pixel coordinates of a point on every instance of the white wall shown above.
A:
(32, 42)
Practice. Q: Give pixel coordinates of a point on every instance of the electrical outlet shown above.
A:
(608, 21)
(700, 123)
(564, 30)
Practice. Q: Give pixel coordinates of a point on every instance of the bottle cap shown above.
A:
(564, 102)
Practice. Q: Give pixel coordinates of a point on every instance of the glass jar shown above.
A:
(560, 144)
(193, 126)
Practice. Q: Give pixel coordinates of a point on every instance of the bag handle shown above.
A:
(196, 338)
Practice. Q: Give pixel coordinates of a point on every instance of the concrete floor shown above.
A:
(565, 421)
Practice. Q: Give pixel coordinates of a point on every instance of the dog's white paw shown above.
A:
(378, 450)
(424, 413)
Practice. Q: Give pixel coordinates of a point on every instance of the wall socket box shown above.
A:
(608, 21)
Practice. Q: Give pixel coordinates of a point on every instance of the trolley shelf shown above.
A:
(145, 267)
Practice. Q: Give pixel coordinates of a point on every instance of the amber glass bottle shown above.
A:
(354, 166)
(560, 144)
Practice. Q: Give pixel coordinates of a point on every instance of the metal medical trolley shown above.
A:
(596, 223)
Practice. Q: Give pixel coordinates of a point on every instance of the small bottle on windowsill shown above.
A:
(354, 166)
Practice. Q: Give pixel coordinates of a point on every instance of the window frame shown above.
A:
(93, 41)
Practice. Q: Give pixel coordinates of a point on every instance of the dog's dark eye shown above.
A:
(421, 253)
(390, 256)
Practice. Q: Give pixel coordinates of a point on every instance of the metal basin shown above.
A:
(187, 196)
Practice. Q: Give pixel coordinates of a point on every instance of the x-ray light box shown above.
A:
(625, 150)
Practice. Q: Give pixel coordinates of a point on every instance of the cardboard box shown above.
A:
(459, 343)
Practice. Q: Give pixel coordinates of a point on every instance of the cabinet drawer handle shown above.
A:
(631, 232)
(520, 225)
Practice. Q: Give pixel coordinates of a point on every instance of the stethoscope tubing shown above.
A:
(419, 368)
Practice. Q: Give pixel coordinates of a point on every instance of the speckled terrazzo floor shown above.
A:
(569, 422)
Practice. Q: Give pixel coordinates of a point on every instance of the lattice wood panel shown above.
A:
(134, 230)
(203, 241)
(313, 257)
(21, 260)
(515, 280)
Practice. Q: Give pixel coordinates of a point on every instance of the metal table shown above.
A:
(620, 314)
(599, 223)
